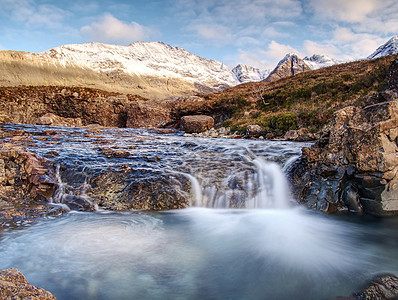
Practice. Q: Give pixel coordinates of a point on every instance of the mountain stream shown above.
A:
(243, 236)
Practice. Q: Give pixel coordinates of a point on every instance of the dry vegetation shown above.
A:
(307, 100)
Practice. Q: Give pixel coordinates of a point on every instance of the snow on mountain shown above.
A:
(318, 61)
(391, 47)
(146, 59)
(245, 73)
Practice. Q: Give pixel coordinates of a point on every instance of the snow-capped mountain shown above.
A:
(391, 47)
(318, 61)
(245, 73)
(146, 60)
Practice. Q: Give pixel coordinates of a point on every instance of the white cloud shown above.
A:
(217, 32)
(311, 47)
(111, 30)
(355, 45)
(345, 10)
(33, 14)
(250, 20)
(277, 51)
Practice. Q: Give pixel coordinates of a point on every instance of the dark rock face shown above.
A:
(13, 285)
(355, 165)
(382, 287)
(196, 124)
(149, 114)
(65, 106)
(393, 76)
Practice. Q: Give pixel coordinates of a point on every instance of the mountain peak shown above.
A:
(290, 65)
(391, 47)
(245, 73)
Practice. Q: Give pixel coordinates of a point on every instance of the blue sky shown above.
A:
(254, 32)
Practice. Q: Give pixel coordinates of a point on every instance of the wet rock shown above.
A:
(114, 153)
(139, 189)
(14, 286)
(361, 146)
(382, 287)
(197, 123)
(253, 131)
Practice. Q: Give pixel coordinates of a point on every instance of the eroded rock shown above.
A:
(355, 165)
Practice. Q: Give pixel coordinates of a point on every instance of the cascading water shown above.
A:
(277, 251)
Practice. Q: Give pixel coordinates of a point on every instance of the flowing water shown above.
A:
(268, 248)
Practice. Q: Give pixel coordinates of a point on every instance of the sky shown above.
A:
(254, 32)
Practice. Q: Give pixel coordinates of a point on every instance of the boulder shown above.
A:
(253, 130)
(354, 166)
(197, 123)
(13, 285)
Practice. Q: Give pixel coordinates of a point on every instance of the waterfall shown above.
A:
(266, 188)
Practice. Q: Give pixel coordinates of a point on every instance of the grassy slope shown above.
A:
(307, 100)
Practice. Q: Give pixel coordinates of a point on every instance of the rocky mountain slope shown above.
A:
(152, 70)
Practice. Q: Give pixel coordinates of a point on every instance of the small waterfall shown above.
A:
(266, 188)
(70, 199)
(273, 187)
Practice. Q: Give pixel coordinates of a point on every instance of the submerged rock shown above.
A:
(13, 286)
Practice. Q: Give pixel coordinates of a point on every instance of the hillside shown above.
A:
(308, 99)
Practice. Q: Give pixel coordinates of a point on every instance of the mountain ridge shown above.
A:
(153, 70)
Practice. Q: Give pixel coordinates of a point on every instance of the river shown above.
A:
(243, 236)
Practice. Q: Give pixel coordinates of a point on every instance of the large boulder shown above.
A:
(196, 124)
(13, 285)
(355, 165)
